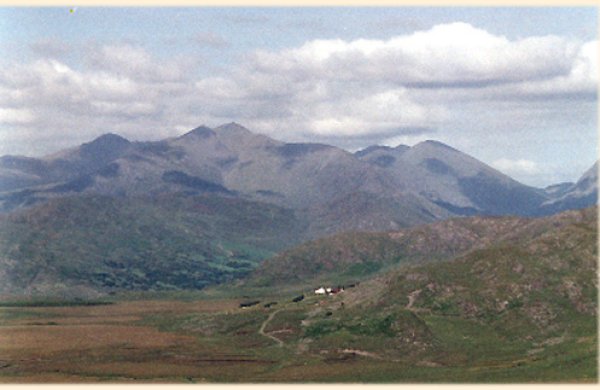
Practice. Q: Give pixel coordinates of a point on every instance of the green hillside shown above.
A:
(521, 308)
(168, 242)
(508, 296)
(356, 255)
(353, 255)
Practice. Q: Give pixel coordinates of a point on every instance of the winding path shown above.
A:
(264, 325)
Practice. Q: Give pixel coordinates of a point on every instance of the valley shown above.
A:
(517, 309)
(214, 341)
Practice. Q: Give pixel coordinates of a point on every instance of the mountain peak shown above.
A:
(381, 148)
(589, 181)
(109, 138)
(233, 127)
(200, 132)
(434, 144)
(237, 137)
(104, 148)
(370, 149)
(105, 142)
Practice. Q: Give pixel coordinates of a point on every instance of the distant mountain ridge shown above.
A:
(377, 188)
(577, 195)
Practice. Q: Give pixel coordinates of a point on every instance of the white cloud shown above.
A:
(378, 113)
(16, 116)
(451, 54)
(516, 167)
(350, 88)
(78, 104)
(409, 140)
(123, 109)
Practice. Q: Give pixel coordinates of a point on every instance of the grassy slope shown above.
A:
(143, 243)
(520, 308)
(355, 255)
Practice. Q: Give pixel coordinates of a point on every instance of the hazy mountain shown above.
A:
(362, 211)
(229, 160)
(62, 166)
(378, 188)
(581, 194)
(279, 193)
(453, 180)
(557, 190)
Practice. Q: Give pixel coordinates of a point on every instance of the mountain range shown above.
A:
(426, 182)
(213, 203)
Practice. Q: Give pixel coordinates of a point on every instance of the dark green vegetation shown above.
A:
(54, 303)
(95, 243)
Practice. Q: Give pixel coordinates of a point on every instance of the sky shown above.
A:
(513, 87)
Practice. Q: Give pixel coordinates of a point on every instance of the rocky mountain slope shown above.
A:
(527, 300)
(426, 182)
(350, 256)
(500, 298)
(454, 180)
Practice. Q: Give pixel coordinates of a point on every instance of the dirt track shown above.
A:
(264, 325)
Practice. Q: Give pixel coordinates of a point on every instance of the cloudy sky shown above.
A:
(513, 87)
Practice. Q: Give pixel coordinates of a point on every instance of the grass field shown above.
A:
(214, 340)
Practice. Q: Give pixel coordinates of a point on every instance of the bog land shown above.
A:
(315, 340)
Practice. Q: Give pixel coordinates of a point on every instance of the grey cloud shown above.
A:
(378, 135)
